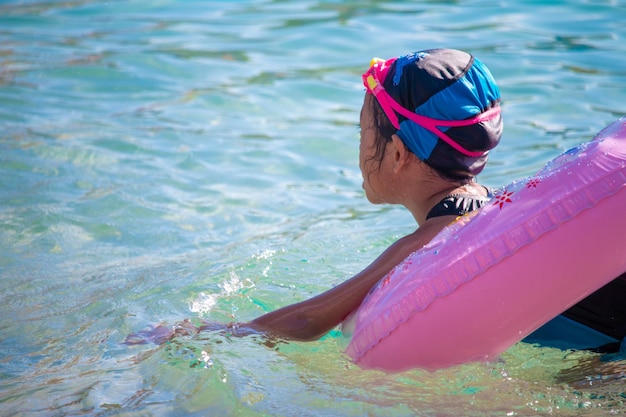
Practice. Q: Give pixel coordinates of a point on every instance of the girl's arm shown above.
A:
(312, 318)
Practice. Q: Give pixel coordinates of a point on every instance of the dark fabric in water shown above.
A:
(604, 310)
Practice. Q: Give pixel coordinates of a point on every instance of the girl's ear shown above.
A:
(401, 154)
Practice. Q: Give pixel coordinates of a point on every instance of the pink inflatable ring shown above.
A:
(493, 277)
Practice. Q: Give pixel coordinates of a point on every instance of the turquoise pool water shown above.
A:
(169, 159)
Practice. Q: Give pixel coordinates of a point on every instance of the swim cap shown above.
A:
(454, 102)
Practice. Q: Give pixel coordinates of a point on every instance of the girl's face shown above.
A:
(373, 169)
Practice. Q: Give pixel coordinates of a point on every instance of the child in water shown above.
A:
(428, 122)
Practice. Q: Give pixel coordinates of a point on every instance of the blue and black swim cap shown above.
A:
(447, 85)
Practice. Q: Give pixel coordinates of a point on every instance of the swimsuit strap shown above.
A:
(458, 205)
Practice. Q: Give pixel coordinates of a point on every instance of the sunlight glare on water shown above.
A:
(167, 160)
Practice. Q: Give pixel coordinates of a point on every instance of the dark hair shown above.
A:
(384, 130)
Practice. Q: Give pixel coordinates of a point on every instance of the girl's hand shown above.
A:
(161, 333)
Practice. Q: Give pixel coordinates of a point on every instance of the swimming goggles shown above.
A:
(373, 80)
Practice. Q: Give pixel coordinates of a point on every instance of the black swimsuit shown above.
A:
(604, 311)
(458, 205)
